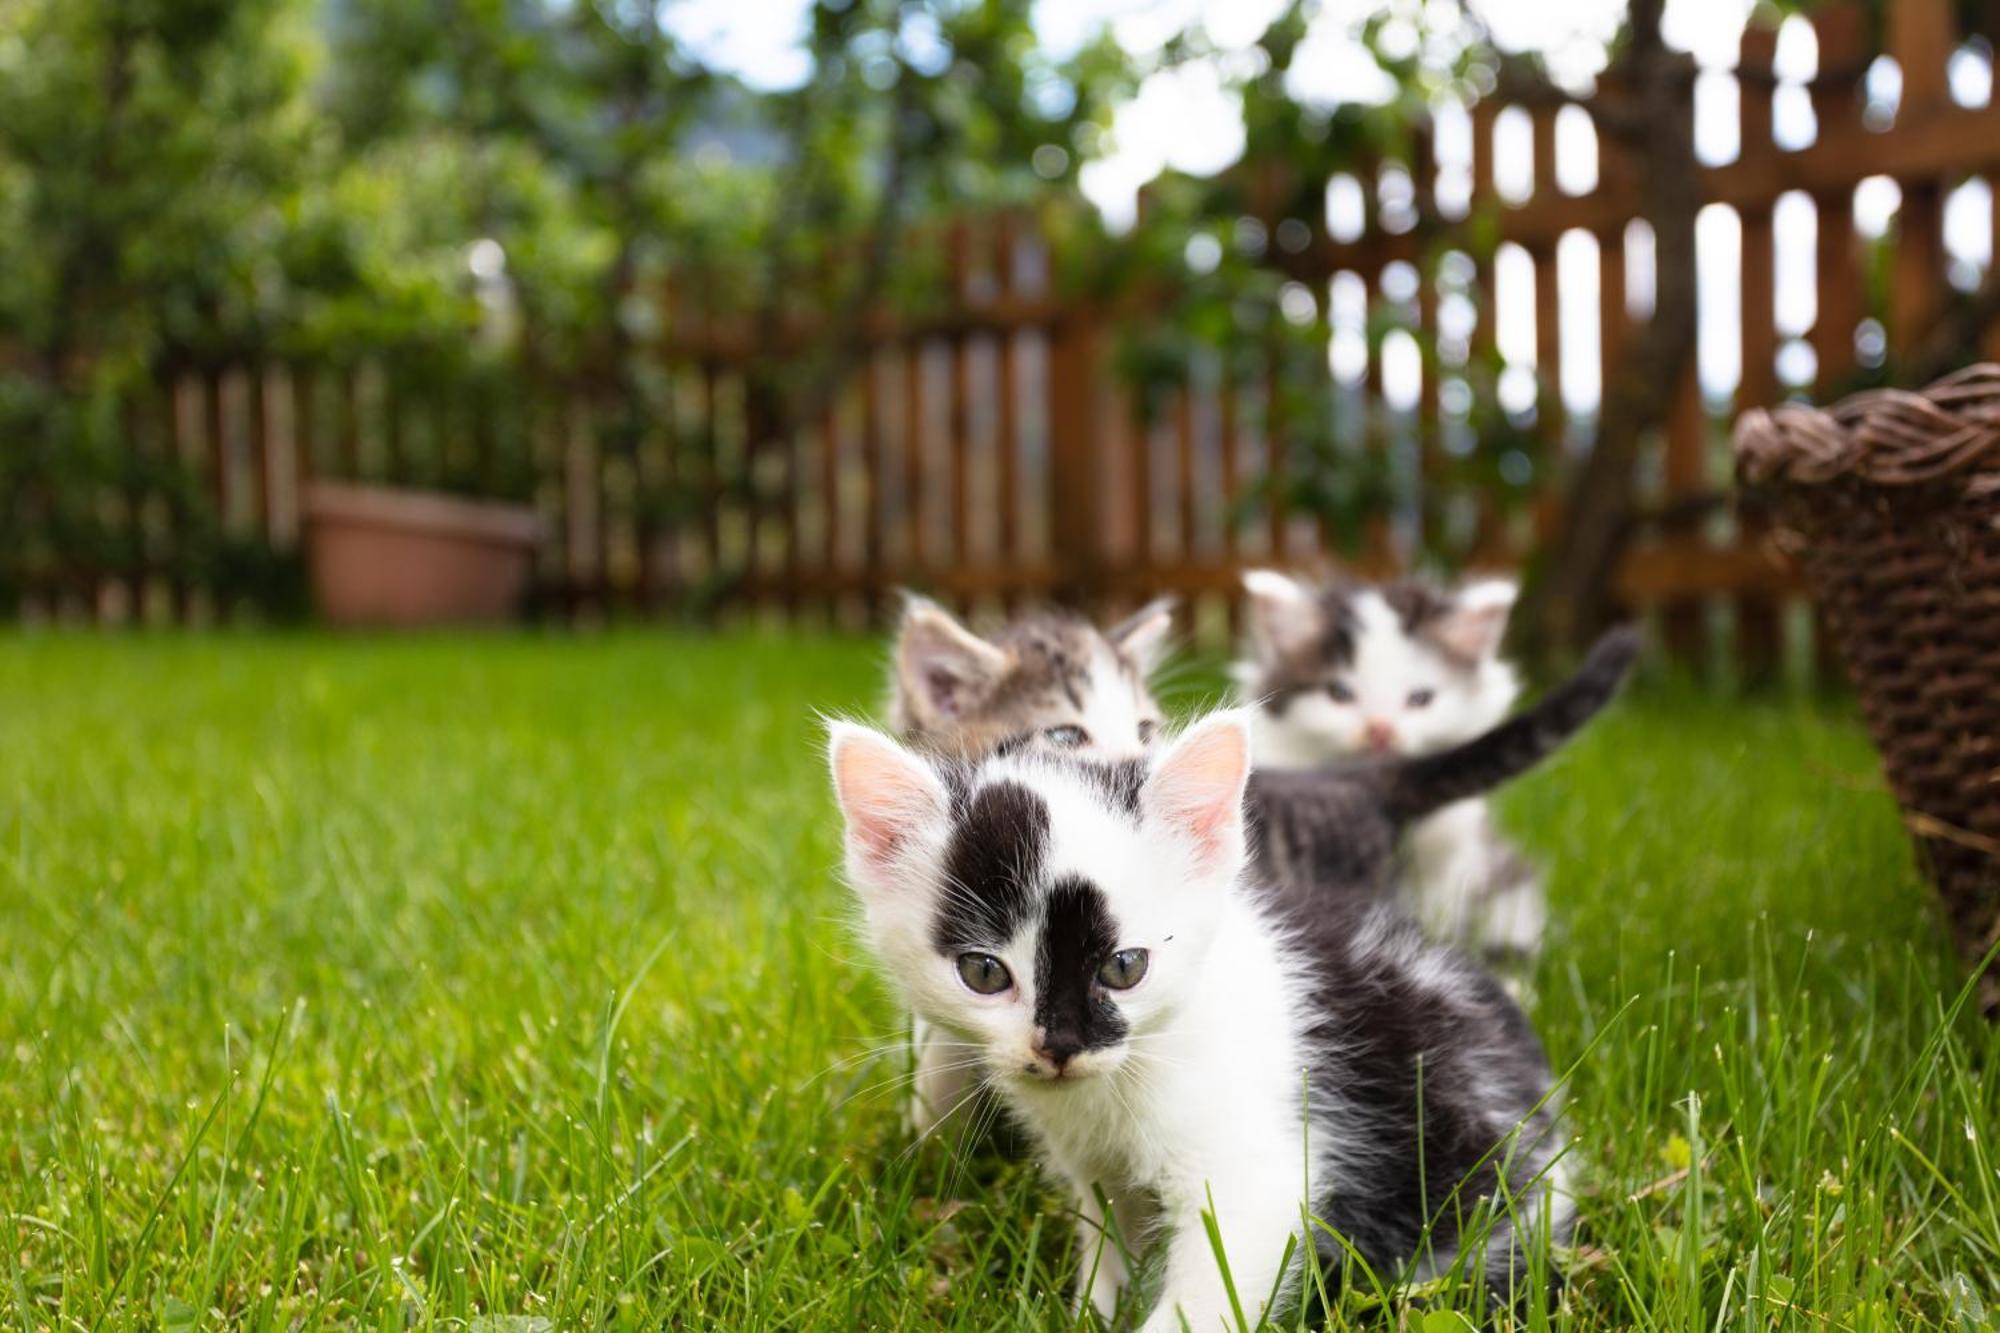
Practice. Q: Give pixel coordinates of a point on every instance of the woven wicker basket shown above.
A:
(1891, 502)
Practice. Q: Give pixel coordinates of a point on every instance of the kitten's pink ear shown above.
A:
(1142, 636)
(1477, 621)
(1284, 614)
(941, 666)
(887, 796)
(1196, 787)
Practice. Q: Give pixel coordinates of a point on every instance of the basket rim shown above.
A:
(1890, 437)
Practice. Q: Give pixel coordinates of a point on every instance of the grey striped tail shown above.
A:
(1426, 783)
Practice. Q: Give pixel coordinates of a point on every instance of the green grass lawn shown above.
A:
(506, 984)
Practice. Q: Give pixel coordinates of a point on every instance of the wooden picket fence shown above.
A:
(990, 453)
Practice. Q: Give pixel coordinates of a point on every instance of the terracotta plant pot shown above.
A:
(380, 556)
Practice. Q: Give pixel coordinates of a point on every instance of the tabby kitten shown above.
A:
(1186, 1041)
(1048, 674)
(1349, 669)
(1048, 678)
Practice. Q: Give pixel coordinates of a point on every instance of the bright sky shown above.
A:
(1188, 120)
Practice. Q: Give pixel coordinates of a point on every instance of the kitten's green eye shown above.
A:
(983, 974)
(1339, 693)
(1069, 738)
(1122, 970)
(1421, 698)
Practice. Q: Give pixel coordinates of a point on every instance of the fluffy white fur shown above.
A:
(1200, 1106)
(1451, 857)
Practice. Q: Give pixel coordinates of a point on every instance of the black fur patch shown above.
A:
(1429, 1072)
(1417, 604)
(1071, 1008)
(1121, 781)
(990, 867)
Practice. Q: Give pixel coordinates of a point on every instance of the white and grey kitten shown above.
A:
(1181, 1039)
(1347, 669)
(1048, 678)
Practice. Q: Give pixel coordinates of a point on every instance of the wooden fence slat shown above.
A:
(1485, 327)
(1836, 98)
(347, 411)
(1921, 34)
(261, 465)
(1229, 461)
(830, 497)
(172, 406)
(1759, 622)
(958, 415)
(1991, 344)
(1186, 535)
(1542, 123)
(708, 413)
(1137, 425)
(1685, 475)
(683, 536)
(305, 427)
(1007, 391)
(126, 579)
(215, 450)
(649, 490)
(1551, 421)
(873, 519)
(395, 465)
(1614, 317)
(915, 513)
(1370, 411)
(1430, 441)
(1229, 423)
(283, 456)
(1550, 415)
(1277, 513)
(1075, 526)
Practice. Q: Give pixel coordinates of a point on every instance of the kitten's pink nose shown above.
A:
(1378, 735)
(1054, 1051)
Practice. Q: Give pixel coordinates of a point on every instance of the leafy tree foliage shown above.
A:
(487, 200)
(467, 191)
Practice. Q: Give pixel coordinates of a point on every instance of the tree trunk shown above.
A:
(1574, 597)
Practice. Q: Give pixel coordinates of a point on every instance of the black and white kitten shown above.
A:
(1188, 1039)
(1347, 669)
(1336, 831)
